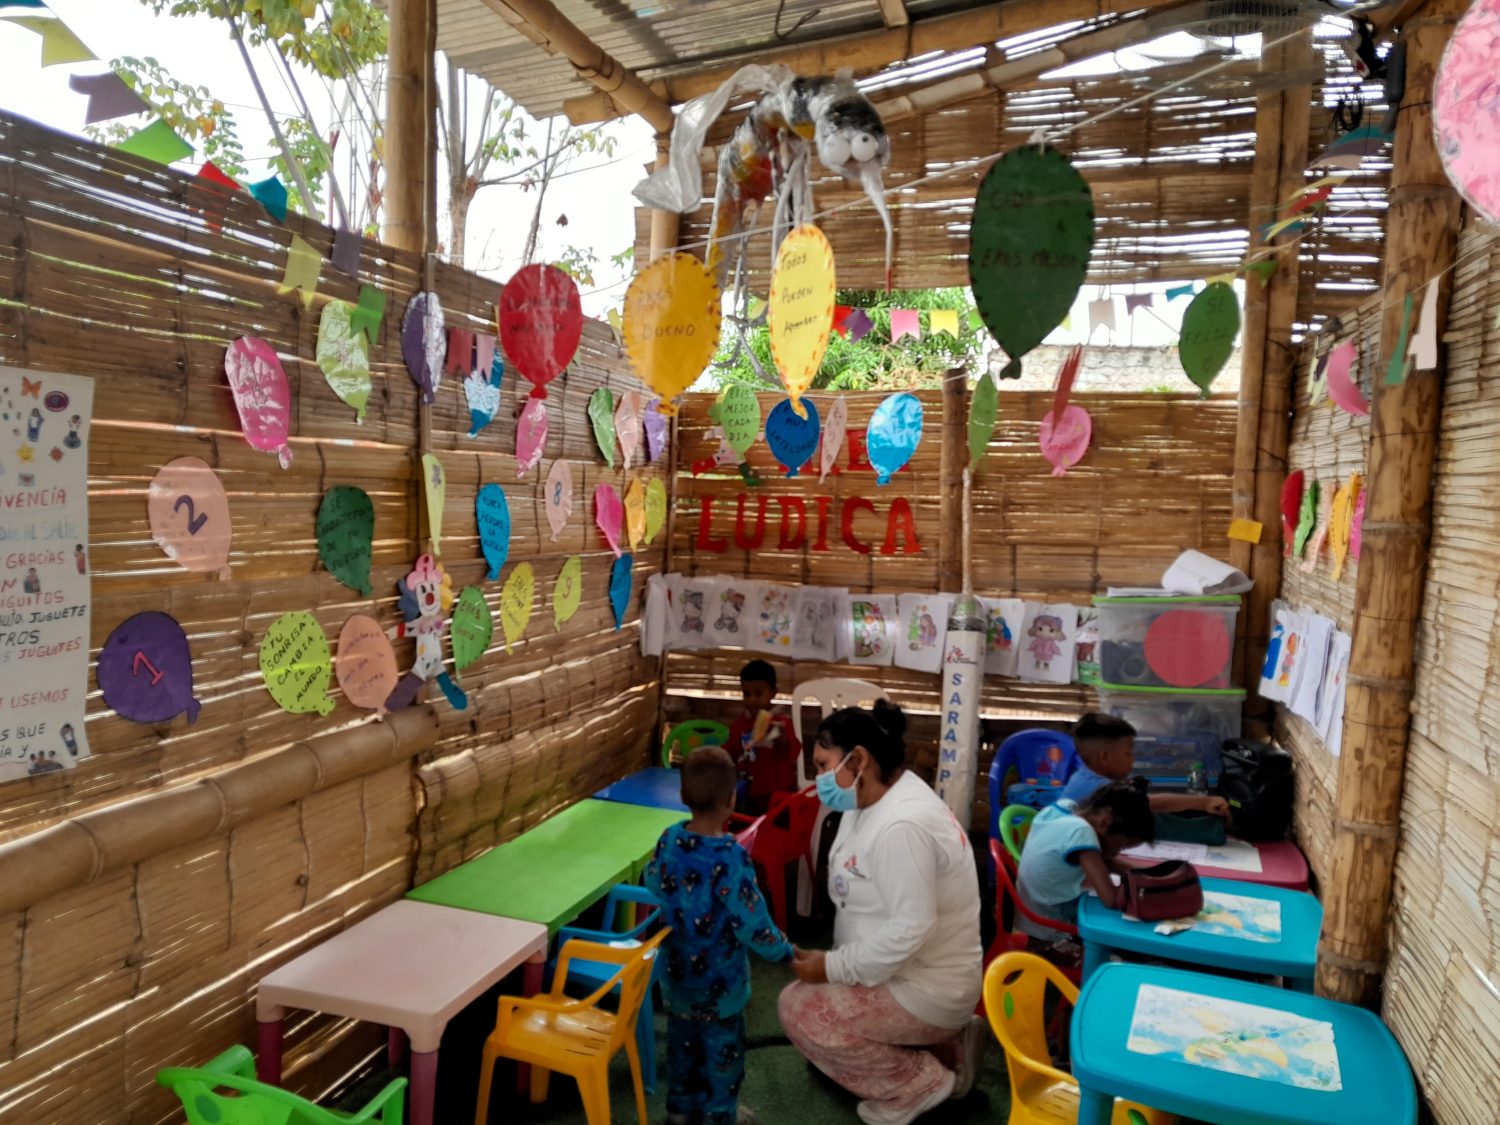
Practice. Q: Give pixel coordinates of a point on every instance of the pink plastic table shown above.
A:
(1282, 864)
(383, 970)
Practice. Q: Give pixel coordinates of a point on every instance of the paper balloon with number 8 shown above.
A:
(671, 325)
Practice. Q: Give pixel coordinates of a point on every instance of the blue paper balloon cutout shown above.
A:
(792, 439)
(493, 513)
(146, 670)
(619, 589)
(895, 430)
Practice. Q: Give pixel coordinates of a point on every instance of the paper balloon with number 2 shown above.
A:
(189, 515)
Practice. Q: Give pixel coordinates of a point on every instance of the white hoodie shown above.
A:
(902, 878)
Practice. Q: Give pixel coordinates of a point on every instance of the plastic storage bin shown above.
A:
(1174, 729)
(1185, 643)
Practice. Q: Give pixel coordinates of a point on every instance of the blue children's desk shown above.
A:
(655, 788)
(1294, 956)
(1374, 1080)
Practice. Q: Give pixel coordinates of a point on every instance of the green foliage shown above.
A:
(311, 151)
(352, 33)
(579, 262)
(872, 363)
(192, 112)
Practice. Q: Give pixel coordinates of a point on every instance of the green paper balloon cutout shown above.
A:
(738, 414)
(471, 628)
(346, 526)
(1209, 327)
(1307, 518)
(983, 406)
(1029, 245)
(602, 415)
(297, 663)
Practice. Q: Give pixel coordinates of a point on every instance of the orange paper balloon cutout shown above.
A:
(801, 309)
(1187, 648)
(189, 515)
(366, 664)
(671, 325)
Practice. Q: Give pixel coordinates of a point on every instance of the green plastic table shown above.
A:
(1260, 1048)
(554, 872)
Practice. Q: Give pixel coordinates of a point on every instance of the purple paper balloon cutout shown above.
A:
(423, 343)
(146, 670)
(656, 431)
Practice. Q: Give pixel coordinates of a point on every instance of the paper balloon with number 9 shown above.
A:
(567, 592)
(801, 309)
(671, 325)
(297, 663)
(189, 515)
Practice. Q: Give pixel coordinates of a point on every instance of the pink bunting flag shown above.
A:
(1340, 381)
(905, 322)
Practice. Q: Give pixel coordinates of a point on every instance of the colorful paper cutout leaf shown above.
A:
(262, 396)
(895, 431)
(1307, 518)
(984, 404)
(792, 438)
(737, 412)
(366, 664)
(346, 530)
(619, 588)
(609, 515)
(628, 413)
(471, 628)
(671, 325)
(1209, 328)
(567, 592)
(435, 494)
(635, 513)
(492, 512)
(531, 435)
(801, 309)
(558, 500)
(541, 323)
(602, 418)
(835, 426)
(424, 344)
(656, 508)
(1341, 386)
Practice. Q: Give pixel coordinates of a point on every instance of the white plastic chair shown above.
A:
(830, 695)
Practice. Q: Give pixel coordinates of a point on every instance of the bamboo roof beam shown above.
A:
(541, 22)
(894, 13)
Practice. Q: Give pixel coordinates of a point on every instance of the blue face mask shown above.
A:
(835, 796)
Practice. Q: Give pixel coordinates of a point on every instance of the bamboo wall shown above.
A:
(146, 890)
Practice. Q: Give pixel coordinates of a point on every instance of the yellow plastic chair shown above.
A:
(1015, 990)
(575, 1037)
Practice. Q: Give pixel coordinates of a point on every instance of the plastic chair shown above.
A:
(1015, 823)
(781, 840)
(256, 1103)
(575, 1037)
(1015, 993)
(686, 737)
(1007, 902)
(591, 974)
(1029, 755)
(830, 695)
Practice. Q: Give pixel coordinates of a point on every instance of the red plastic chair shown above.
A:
(780, 840)
(1005, 893)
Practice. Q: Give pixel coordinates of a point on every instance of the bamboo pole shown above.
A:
(1421, 232)
(953, 458)
(407, 159)
(664, 224)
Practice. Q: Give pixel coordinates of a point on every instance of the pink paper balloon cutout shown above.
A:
(609, 514)
(366, 664)
(531, 435)
(835, 426)
(1187, 648)
(1340, 383)
(558, 500)
(262, 395)
(1466, 111)
(189, 515)
(1065, 444)
(628, 425)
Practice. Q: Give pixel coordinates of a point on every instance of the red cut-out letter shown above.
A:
(742, 541)
(790, 504)
(900, 522)
(859, 457)
(824, 503)
(707, 542)
(851, 505)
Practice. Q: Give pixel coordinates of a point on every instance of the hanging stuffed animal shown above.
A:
(426, 595)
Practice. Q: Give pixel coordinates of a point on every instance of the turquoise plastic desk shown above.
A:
(1294, 957)
(554, 872)
(1376, 1082)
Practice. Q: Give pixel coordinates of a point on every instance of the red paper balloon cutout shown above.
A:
(1187, 648)
(541, 322)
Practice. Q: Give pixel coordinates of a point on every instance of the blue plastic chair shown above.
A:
(593, 974)
(1032, 756)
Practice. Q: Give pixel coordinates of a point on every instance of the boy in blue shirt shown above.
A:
(1107, 746)
(705, 883)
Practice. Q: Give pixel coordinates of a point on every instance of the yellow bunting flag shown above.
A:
(1246, 531)
(943, 320)
(515, 603)
(801, 316)
(671, 325)
(59, 44)
(303, 264)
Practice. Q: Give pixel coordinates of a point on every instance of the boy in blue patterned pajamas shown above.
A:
(705, 883)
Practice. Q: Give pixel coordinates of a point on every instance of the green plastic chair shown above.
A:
(1015, 823)
(686, 737)
(201, 1092)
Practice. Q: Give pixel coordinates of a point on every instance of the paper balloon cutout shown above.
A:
(482, 386)
(515, 603)
(541, 323)
(262, 396)
(296, 663)
(619, 588)
(738, 414)
(602, 418)
(366, 664)
(1209, 327)
(472, 627)
(635, 513)
(344, 356)
(558, 501)
(894, 433)
(1029, 245)
(531, 435)
(628, 426)
(792, 438)
(1291, 507)
(835, 426)
(567, 592)
(346, 527)
(1064, 443)
(656, 432)
(435, 494)
(1307, 518)
(983, 407)
(671, 325)
(609, 514)
(1341, 386)
(1357, 531)
(424, 344)
(656, 508)
(146, 670)
(189, 515)
(493, 513)
(1465, 115)
(801, 309)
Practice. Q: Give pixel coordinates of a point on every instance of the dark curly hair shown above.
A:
(879, 730)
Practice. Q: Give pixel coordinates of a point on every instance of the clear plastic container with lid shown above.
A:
(1176, 730)
(1166, 642)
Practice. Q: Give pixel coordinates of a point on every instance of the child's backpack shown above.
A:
(1257, 783)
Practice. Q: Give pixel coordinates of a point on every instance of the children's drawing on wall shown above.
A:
(728, 617)
(1004, 618)
(1086, 651)
(923, 625)
(872, 629)
(1279, 614)
(815, 636)
(1047, 643)
(773, 618)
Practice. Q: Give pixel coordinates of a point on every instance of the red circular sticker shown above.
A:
(541, 321)
(1188, 648)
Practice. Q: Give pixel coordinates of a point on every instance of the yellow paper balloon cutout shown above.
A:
(656, 508)
(671, 325)
(801, 314)
(635, 513)
(515, 603)
(568, 591)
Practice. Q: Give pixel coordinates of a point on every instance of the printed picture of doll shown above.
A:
(1045, 633)
(997, 634)
(73, 441)
(922, 634)
(34, 425)
(32, 583)
(869, 629)
(731, 605)
(692, 611)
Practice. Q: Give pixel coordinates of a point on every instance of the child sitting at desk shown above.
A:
(1106, 744)
(761, 741)
(705, 883)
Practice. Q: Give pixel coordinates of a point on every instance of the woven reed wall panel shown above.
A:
(1445, 966)
(108, 269)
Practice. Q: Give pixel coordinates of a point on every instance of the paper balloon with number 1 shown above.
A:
(146, 670)
(541, 323)
(189, 515)
(895, 430)
(1208, 330)
(262, 396)
(801, 309)
(671, 325)
(792, 437)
